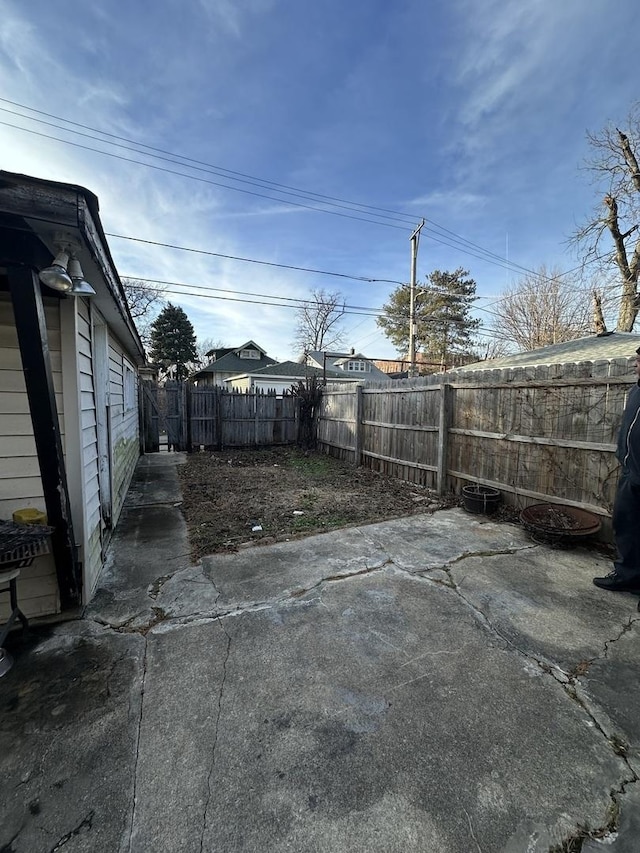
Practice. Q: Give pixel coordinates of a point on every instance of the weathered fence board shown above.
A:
(214, 418)
(543, 433)
(149, 418)
(175, 401)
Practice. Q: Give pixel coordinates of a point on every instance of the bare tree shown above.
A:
(206, 346)
(615, 170)
(542, 308)
(599, 323)
(318, 322)
(145, 301)
(495, 348)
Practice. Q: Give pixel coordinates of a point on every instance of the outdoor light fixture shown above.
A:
(56, 276)
(81, 287)
(65, 273)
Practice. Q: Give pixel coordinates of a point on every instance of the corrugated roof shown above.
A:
(591, 348)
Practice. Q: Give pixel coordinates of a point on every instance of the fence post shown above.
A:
(187, 406)
(358, 427)
(255, 416)
(218, 418)
(443, 437)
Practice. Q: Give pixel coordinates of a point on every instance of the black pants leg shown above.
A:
(626, 528)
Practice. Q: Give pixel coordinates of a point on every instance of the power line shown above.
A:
(460, 243)
(298, 302)
(255, 261)
(370, 312)
(185, 160)
(199, 179)
(349, 309)
(205, 252)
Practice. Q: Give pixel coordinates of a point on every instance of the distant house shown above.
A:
(601, 347)
(352, 364)
(399, 368)
(226, 363)
(69, 364)
(281, 377)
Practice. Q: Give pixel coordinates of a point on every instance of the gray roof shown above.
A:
(592, 348)
(341, 357)
(231, 363)
(289, 369)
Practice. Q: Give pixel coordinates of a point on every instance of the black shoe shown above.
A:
(615, 583)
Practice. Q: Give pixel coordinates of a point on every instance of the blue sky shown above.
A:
(470, 114)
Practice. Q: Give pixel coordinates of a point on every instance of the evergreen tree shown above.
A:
(173, 341)
(444, 325)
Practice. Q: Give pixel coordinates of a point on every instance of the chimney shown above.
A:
(353, 351)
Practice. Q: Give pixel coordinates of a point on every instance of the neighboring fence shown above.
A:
(537, 434)
(215, 418)
(220, 418)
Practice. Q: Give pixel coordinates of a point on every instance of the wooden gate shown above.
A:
(188, 418)
(163, 416)
(149, 417)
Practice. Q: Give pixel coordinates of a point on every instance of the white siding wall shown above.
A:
(20, 483)
(125, 442)
(92, 533)
(279, 385)
(71, 343)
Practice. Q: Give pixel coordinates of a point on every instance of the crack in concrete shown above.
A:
(341, 576)
(217, 728)
(583, 666)
(138, 736)
(604, 832)
(85, 822)
(515, 549)
(569, 681)
(625, 629)
(8, 847)
(159, 615)
(570, 685)
(155, 588)
(473, 835)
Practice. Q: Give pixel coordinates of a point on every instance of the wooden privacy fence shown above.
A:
(537, 434)
(220, 418)
(215, 418)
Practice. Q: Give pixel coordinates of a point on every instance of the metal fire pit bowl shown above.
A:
(558, 525)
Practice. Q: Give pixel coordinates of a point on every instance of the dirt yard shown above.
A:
(238, 496)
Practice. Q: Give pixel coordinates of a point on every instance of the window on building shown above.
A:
(249, 353)
(363, 366)
(129, 383)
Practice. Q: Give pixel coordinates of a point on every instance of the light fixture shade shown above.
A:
(56, 275)
(80, 287)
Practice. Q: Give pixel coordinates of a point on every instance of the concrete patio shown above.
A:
(434, 683)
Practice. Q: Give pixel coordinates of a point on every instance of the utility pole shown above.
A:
(415, 237)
